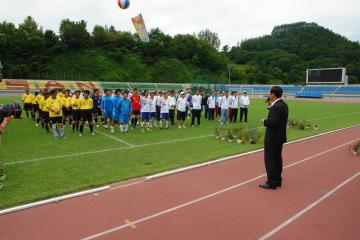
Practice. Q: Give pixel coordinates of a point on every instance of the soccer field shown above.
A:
(39, 167)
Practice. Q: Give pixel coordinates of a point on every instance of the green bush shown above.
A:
(250, 135)
(2, 174)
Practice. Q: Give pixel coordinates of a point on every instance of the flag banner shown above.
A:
(140, 27)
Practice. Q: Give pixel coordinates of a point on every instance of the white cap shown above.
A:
(182, 93)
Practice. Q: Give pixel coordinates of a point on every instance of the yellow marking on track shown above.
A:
(133, 226)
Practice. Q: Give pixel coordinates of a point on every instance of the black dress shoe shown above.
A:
(278, 185)
(267, 186)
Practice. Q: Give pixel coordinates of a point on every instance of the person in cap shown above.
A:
(181, 106)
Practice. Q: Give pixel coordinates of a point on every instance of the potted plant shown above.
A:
(217, 133)
(356, 148)
(253, 135)
(230, 135)
(2, 171)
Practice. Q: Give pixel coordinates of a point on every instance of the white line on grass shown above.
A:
(188, 168)
(115, 138)
(106, 150)
(308, 208)
(206, 197)
(52, 200)
(334, 116)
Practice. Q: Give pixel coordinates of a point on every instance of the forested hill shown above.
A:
(284, 55)
(107, 54)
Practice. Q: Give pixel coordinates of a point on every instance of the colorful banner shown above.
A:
(12, 84)
(140, 27)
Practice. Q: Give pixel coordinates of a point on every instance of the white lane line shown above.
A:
(115, 138)
(7, 163)
(125, 185)
(308, 208)
(205, 197)
(52, 200)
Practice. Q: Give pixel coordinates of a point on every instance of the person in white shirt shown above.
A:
(234, 106)
(159, 98)
(244, 106)
(165, 107)
(196, 110)
(224, 105)
(145, 110)
(211, 105)
(172, 104)
(182, 105)
(153, 110)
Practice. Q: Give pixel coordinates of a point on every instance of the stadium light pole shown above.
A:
(229, 68)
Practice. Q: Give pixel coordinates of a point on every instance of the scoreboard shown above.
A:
(326, 75)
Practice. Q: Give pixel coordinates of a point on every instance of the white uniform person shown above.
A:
(244, 106)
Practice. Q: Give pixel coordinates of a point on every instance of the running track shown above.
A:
(320, 199)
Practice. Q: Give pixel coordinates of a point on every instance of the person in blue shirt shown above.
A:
(115, 115)
(107, 107)
(124, 109)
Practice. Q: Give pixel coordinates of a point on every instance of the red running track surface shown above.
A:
(221, 201)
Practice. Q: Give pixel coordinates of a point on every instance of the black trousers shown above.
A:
(211, 114)
(172, 116)
(206, 110)
(273, 162)
(195, 114)
(158, 111)
(233, 114)
(243, 112)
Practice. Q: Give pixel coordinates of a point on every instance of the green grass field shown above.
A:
(38, 167)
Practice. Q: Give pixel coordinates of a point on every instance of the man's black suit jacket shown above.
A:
(276, 123)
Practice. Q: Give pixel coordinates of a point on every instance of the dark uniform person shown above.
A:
(275, 137)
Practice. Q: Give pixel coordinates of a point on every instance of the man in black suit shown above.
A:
(275, 137)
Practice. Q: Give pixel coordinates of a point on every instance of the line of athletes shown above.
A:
(56, 107)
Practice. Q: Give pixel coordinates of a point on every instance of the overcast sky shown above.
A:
(233, 20)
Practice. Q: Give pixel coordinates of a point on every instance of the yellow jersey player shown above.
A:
(76, 115)
(44, 112)
(87, 105)
(27, 101)
(38, 110)
(54, 106)
(66, 107)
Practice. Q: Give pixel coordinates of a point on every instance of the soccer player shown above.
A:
(153, 110)
(158, 105)
(165, 105)
(44, 112)
(145, 111)
(124, 108)
(66, 103)
(86, 106)
(182, 104)
(27, 101)
(97, 107)
(115, 115)
(38, 98)
(54, 106)
(76, 115)
(34, 106)
(196, 112)
(107, 107)
(136, 107)
(172, 105)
